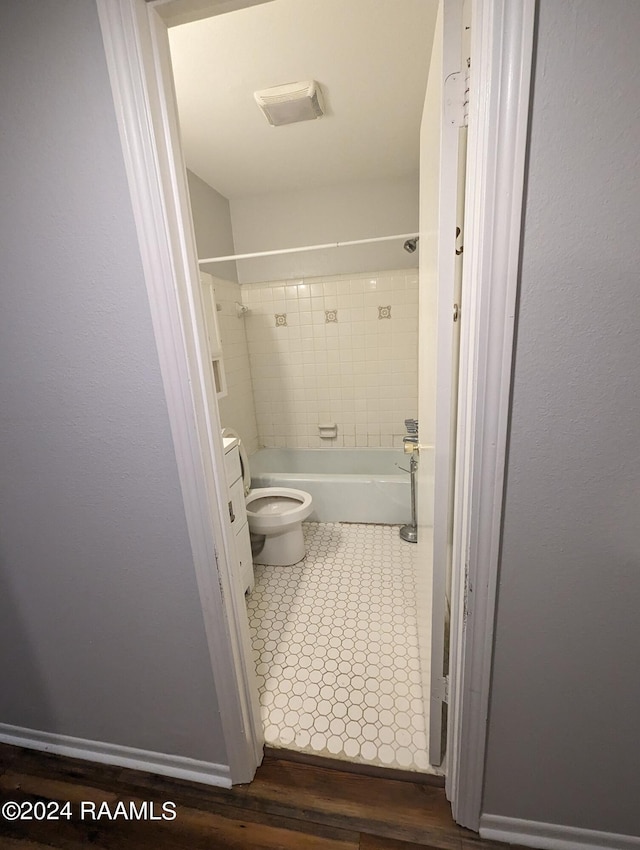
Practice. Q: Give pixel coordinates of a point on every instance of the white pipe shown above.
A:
(306, 248)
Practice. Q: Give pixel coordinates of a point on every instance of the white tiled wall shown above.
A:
(236, 408)
(339, 349)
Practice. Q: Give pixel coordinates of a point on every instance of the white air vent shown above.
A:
(291, 102)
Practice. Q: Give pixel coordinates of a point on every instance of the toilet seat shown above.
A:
(281, 506)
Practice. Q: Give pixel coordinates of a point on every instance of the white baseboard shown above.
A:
(179, 767)
(551, 836)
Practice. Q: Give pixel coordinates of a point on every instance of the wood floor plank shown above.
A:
(191, 830)
(392, 808)
(302, 791)
(8, 755)
(68, 835)
(375, 842)
(397, 809)
(51, 765)
(237, 833)
(472, 841)
(289, 805)
(53, 789)
(228, 823)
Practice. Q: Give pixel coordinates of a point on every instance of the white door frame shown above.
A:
(444, 249)
(136, 47)
(502, 41)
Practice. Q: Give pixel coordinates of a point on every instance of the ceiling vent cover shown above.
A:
(291, 103)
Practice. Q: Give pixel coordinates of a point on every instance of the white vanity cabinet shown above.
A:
(238, 513)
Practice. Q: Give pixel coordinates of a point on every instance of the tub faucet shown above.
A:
(411, 438)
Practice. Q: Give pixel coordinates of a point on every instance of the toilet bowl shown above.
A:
(277, 513)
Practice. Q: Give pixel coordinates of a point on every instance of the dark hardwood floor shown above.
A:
(290, 805)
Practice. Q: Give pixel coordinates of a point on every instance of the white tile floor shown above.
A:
(336, 648)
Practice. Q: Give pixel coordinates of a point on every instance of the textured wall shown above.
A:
(566, 693)
(101, 631)
(345, 351)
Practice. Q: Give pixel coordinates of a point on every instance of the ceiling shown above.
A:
(371, 58)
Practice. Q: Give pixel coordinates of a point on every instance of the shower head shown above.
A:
(411, 244)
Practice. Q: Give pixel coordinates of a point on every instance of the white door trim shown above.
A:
(444, 389)
(137, 52)
(501, 51)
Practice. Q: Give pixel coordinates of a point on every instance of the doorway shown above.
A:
(336, 668)
(135, 45)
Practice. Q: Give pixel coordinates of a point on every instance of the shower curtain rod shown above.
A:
(306, 248)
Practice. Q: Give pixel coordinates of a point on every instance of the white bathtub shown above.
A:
(347, 485)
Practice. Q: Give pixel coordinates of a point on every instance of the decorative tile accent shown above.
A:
(384, 312)
(336, 648)
(331, 315)
(281, 320)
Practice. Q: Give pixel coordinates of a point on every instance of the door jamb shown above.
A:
(500, 90)
(445, 254)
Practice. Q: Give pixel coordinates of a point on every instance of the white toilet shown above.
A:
(275, 512)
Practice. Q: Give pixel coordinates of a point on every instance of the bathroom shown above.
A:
(319, 353)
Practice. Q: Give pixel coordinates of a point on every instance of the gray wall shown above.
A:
(101, 631)
(563, 742)
(357, 210)
(212, 226)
